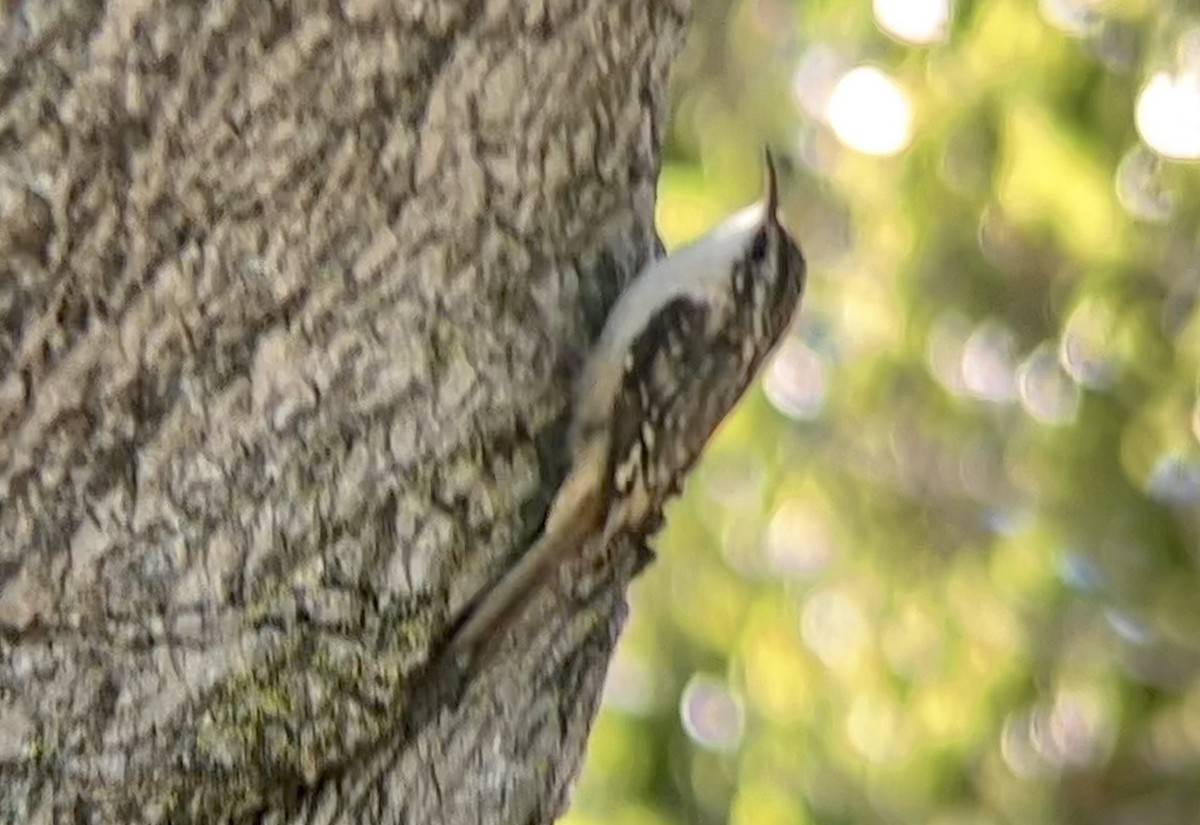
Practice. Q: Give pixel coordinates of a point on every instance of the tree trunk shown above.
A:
(291, 297)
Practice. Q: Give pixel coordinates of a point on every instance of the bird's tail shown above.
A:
(573, 517)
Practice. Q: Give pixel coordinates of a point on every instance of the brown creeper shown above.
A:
(679, 348)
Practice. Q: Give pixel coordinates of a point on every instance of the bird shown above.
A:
(679, 348)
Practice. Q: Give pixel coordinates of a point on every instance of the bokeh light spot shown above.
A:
(914, 21)
(1047, 393)
(834, 627)
(875, 729)
(1076, 730)
(987, 363)
(1017, 747)
(869, 112)
(944, 349)
(1139, 186)
(1128, 627)
(712, 716)
(1085, 347)
(1006, 521)
(1168, 115)
(799, 541)
(1175, 479)
(816, 75)
(1074, 17)
(1078, 571)
(795, 381)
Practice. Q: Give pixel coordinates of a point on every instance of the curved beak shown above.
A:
(772, 186)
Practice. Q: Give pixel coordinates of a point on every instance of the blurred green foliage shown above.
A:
(941, 565)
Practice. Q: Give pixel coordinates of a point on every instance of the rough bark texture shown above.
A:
(291, 294)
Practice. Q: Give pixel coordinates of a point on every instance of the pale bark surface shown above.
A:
(291, 295)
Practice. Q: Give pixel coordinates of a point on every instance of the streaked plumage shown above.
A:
(679, 348)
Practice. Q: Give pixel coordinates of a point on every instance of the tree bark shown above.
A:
(291, 296)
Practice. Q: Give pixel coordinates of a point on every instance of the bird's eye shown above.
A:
(758, 250)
